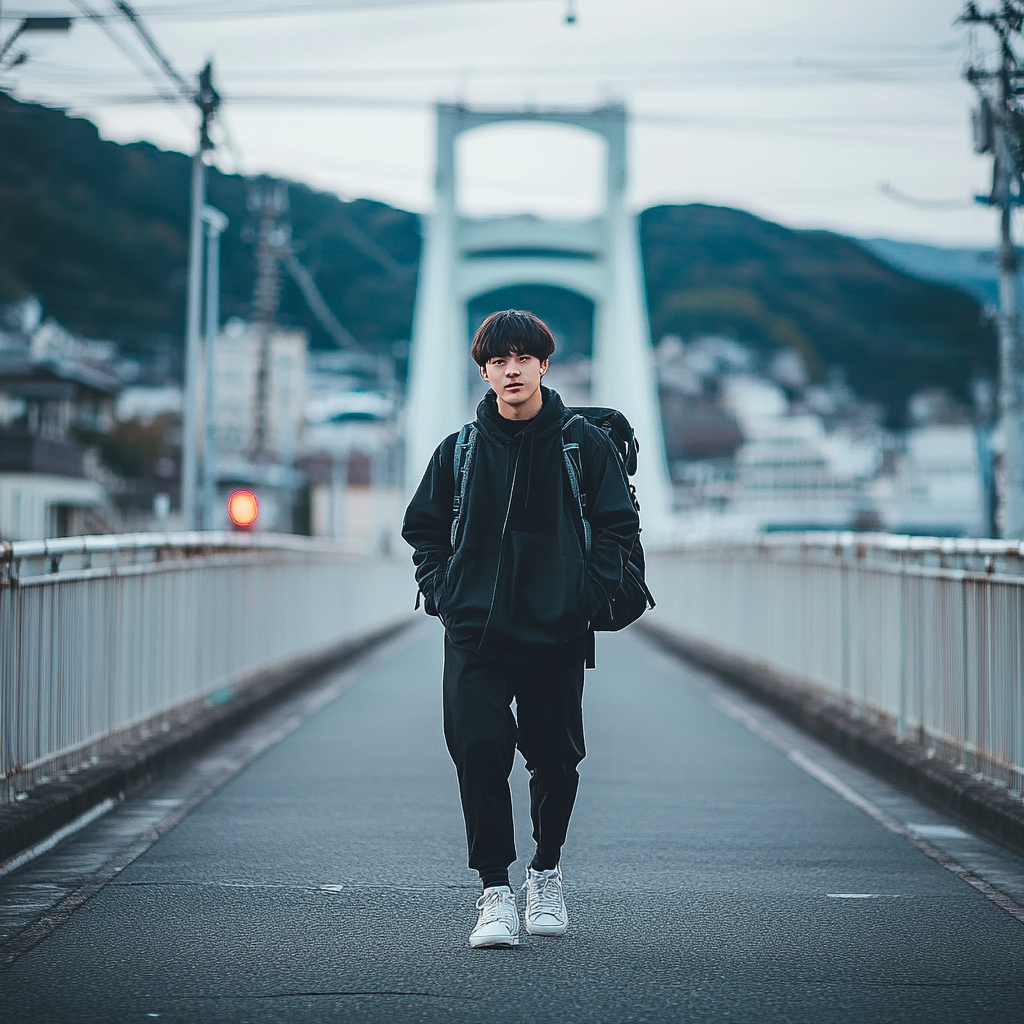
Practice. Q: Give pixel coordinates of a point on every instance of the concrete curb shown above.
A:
(980, 805)
(53, 805)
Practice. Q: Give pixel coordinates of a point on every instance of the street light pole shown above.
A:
(998, 124)
(33, 25)
(1011, 407)
(207, 100)
(216, 222)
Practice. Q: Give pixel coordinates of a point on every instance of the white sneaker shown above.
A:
(499, 919)
(545, 902)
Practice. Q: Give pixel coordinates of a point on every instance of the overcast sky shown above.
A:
(815, 113)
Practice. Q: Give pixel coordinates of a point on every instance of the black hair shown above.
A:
(512, 331)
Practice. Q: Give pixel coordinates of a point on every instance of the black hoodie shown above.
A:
(518, 579)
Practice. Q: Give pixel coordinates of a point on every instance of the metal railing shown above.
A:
(103, 638)
(921, 635)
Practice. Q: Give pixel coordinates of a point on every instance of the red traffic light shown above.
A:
(243, 508)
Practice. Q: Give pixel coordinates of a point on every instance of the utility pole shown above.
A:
(998, 124)
(216, 222)
(273, 243)
(208, 100)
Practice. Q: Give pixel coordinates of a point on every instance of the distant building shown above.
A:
(237, 366)
(146, 403)
(935, 486)
(791, 473)
(44, 488)
(811, 456)
(349, 451)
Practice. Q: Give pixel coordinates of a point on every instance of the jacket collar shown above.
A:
(547, 421)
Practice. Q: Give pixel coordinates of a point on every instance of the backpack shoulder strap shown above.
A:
(465, 446)
(572, 453)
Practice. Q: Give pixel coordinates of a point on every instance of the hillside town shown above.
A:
(753, 444)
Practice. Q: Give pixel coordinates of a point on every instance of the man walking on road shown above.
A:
(496, 535)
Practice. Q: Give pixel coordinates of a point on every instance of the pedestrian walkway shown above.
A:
(709, 878)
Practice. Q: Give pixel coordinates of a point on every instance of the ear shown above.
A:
(483, 372)
(544, 367)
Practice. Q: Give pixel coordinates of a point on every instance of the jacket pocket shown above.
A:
(548, 594)
(430, 588)
(441, 588)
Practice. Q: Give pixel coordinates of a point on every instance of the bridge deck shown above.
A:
(326, 880)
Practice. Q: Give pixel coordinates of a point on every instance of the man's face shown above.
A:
(516, 382)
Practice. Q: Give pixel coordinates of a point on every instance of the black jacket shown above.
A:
(518, 578)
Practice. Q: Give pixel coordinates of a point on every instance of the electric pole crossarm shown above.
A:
(319, 308)
(33, 25)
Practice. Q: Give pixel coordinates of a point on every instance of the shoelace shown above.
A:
(497, 906)
(544, 898)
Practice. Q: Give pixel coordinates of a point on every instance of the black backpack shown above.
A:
(632, 597)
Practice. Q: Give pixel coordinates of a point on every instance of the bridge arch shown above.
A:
(599, 257)
(571, 275)
(557, 169)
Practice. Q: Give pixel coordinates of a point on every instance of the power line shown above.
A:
(213, 12)
(724, 122)
(147, 40)
(183, 89)
(684, 73)
(923, 204)
(130, 53)
(404, 103)
(207, 98)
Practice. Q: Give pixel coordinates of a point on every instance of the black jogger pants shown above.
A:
(482, 735)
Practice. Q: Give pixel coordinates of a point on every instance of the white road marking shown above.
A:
(826, 778)
(939, 831)
(51, 841)
(862, 896)
(246, 745)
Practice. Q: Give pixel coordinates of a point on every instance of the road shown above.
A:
(709, 877)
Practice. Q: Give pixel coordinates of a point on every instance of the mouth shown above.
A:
(513, 387)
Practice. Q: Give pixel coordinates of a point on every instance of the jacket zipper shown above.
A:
(501, 548)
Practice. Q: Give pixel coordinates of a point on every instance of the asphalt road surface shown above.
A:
(710, 876)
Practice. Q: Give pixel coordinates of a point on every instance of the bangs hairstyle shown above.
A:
(512, 331)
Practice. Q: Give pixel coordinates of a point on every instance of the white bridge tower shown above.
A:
(600, 258)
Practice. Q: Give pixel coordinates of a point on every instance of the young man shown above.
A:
(516, 596)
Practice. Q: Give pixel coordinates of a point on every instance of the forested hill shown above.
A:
(98, 231)
(715, 270)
